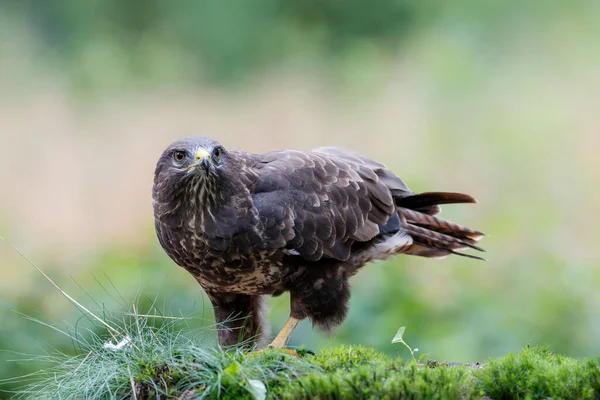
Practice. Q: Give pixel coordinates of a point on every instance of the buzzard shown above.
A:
(247, 225)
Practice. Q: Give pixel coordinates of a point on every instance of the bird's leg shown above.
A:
(297, 314)
(284, 334)
(239, 319)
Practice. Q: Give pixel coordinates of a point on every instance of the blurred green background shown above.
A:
(498, 99)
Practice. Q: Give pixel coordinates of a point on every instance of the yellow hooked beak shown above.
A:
(202, 154)
(202, 159)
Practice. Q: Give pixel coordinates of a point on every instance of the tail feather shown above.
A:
(426, 251)
(429, 202)
(451, 242)
(423, 250)
(440, 225)
(434, 237)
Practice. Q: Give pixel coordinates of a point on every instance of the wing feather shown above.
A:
(328, 199)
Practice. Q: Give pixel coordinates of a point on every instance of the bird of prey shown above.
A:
(247, 225)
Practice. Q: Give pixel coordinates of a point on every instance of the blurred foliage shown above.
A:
(222, 41)
(107, 45)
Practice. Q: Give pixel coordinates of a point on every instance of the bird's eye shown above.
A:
(217, 152)
(179, 156)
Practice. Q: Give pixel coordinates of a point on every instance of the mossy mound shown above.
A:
(536, 373)
(357, 372)
(159, 364)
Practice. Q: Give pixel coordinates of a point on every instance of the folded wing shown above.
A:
(318, 204)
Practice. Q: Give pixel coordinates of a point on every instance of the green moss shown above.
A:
(358, 372)
(538, 373)
(161, 363)
(383, 382)
(348, 357)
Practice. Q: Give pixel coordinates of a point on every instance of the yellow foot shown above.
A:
(260, 352)
(281, 339)
(287, 351)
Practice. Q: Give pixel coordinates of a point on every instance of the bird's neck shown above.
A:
(183, 205)
(219, 208)
(205, 195)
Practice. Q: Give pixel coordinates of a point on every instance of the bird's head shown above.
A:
(194, 165)
(193, 156)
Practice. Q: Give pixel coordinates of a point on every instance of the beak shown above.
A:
(203, 159)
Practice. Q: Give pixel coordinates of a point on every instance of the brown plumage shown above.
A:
(247, 225)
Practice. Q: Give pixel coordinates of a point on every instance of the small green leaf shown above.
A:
(399, 334)
(233, 369)
(229, 373)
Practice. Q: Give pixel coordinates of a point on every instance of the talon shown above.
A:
(291, 352)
